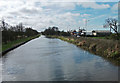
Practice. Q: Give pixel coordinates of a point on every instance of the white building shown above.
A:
(87, 32)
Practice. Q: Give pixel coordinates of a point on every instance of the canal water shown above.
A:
(45, 59)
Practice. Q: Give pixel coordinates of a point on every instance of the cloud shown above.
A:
(69, 14)
(57, 5)
(97, 17)
(85, 15)
(40, 14)
(114, 7)
(31, 10)
(75, 0)
(93, 5)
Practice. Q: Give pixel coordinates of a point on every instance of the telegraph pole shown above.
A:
(86, 21)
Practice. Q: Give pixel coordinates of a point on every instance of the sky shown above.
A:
(65, 14)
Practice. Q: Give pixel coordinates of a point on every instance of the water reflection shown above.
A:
(45, 59)
(55, 65)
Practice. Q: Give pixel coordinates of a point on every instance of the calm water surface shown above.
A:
(44, 59)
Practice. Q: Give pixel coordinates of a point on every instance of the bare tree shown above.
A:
(112, 24)
(3, 25)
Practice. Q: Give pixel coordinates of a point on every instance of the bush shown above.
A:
(115, 37)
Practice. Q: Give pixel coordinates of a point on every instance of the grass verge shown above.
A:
(16, 42)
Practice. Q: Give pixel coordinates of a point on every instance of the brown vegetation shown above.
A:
(106, 48)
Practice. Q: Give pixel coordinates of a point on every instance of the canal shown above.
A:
(45, 59)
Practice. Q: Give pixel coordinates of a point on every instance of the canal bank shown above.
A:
(109, 49)
(51, 59)
(14, 44)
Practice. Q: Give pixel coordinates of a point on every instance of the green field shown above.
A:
(99, 37)
(16, 42)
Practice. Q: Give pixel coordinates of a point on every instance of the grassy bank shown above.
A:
(16, 42)
(109, 49)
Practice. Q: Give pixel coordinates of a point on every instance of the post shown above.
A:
(86, 24)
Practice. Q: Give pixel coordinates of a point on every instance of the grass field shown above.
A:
(16, 42)
(99, 37)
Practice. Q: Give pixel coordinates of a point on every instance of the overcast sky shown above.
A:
(69, 14)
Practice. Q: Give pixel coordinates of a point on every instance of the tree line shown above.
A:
(55, 31)
(11, 33)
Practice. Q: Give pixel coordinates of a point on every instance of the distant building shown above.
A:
(101, 32)
(90, 33)
(87, 32)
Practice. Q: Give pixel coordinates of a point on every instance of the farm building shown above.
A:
(87, 32)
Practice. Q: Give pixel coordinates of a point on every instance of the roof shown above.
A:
(87, 31)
